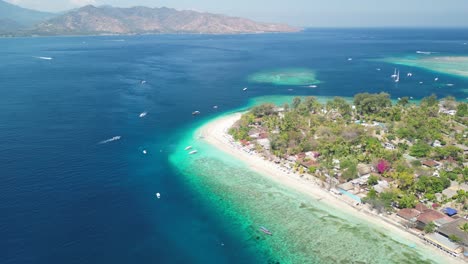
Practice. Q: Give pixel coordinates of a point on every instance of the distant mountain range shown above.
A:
(91, 20)
(13, 18)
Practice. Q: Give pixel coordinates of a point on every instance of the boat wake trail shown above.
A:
(425, 52)
(110, 140)
(44, 58)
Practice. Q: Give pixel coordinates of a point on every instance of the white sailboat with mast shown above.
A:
(396, 75)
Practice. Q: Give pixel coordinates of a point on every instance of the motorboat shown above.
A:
(266, 231)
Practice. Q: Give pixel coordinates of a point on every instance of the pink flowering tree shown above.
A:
(383, 166)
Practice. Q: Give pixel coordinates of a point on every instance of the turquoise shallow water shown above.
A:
(65, 198)
(447, 65)
(305, 230)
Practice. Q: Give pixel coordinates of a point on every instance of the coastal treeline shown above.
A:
(418, 149)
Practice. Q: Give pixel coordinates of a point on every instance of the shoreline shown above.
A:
(215, 134)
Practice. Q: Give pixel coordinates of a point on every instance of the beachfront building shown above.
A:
(443, 243)
(265, 143)
(453, 228)
(421, 207)
(431, 216)
(409, 214)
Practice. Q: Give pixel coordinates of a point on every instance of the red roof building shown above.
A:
(301, 155)
(244, 142)
(430, 216)
(430, 163)
(408, 213)
(421, 207)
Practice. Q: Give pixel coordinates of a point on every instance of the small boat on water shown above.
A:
(193, 152)
(436, 79)
(409, 74)
(143, 114)
(145, 152)
(188, 147)
(245, 89)
(195, 112)
(45, 58)
(397, 79)
(110, 140)
(350, 59)
(450, 84)
(312, 86)
(424, 52)
(158, 195)
(215, 107)
(266, 231)
(143, 82)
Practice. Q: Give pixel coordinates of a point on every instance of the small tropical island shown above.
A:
(402, 162)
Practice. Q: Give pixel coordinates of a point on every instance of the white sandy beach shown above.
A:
(215, 133)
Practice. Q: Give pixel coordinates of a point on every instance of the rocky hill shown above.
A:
(140, 20)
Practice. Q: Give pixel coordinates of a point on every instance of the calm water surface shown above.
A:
(65, 198)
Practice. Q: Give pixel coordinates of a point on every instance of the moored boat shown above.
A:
(195, 112)
(266, 231)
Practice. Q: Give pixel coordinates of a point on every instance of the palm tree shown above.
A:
(464, 228)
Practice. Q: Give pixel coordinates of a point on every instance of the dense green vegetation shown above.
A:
(395, 140)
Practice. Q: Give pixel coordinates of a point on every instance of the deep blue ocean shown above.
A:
(65, 198)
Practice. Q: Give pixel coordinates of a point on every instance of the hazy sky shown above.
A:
(318, 13)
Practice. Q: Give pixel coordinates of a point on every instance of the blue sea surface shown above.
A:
(66, 198)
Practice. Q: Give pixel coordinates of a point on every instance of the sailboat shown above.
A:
(394, 75)
(397, 78)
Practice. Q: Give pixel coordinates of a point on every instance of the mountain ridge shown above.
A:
(90, 19)
(13, 17)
